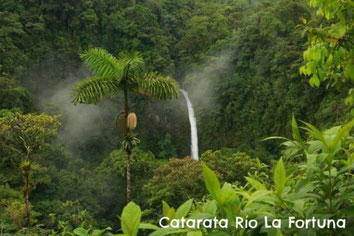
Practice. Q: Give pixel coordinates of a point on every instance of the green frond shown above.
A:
(110, 73)
(102, 63)
(93, 90)
(157, 86)
(132, 60)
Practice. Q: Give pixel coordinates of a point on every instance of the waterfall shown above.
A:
(193, 124)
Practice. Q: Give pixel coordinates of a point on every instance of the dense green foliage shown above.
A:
(250, 67)
(318, 186)
(262, 41)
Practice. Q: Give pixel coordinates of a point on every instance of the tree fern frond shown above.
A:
(157, 86)
(93, 90)
(102, 63)
(132, 61)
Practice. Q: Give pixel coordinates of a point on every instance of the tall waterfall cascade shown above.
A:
(193, 124)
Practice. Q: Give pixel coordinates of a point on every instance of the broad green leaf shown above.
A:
(303, 70)
(130, 219)
(341, 134)
(333, 172)
(165, 208)
(148, 226)
(316, 133)
(211, 181)
(211, 207)
(349, 71)
(231, 201)
(280, 176)
(227, 192)
(295, 129)
(81, 232)
(314, 81)
(98, 232)
(299, 206)
(171, 213)
(316, 53)
(168, 211)
(183, 210)
(255, 196)
(255, 184)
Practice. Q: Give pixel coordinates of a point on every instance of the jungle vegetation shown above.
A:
(95, 141)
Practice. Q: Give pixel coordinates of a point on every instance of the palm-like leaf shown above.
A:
(102, 63)
(157, 86)
(95, 89)
(125, 73)
(133, 62)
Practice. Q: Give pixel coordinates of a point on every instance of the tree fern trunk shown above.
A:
(127, 150)
(128, 177)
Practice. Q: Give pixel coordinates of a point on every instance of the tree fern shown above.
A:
(114, 75)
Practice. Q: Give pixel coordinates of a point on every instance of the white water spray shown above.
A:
(193, 124)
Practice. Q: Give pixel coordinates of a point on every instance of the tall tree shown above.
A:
(23, 137)
(113, 76)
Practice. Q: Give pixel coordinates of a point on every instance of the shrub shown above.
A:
(174, 181)
(231, 165)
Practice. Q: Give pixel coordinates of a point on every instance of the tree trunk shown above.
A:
(128, 176)
(127, 150)
(26, 189)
